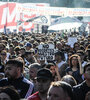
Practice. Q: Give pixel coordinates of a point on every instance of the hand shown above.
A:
(56, 68)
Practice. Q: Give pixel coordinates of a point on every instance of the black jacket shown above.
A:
(23, 86)
(79, 91)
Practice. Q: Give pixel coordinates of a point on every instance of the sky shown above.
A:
(63, 3)
(59, 3)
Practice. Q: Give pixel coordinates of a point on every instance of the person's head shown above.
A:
(2, 46)
(60, 91)
(59, 45)
(15, 42)
(9, 93)
(11, 48)
(87, 71)
(69, 79)
(73, 60)
(22, 50)
(51, 66)
(17, 50)
(29, 56)
(59, 55)
(76, 46)
(14, 68)
(81, 53)
(44, 79)
(28, 46)
(3, 55)
(33, 68)
(87, 52)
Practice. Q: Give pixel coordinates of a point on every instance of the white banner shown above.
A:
(46, 52)
(14, 15)
(57, 11)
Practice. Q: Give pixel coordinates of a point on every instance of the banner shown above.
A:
(78, 12)
(57, 11)
(7, 16)
(71, 41)
(22, 16)
(13, 19)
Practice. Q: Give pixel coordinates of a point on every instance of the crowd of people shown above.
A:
(23, 75)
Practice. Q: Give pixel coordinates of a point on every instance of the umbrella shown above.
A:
(63, 23)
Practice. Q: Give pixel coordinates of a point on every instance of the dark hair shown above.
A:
(11, 91)
(69, 79)
(80, 52)
(49, 65)
(86, 65)
(16, 62)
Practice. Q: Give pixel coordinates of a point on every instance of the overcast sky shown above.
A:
(59, 3)
(63, 3)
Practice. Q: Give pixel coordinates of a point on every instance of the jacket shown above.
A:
(22, 85)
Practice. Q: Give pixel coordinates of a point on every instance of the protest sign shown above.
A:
(46, 51)
(71, 41)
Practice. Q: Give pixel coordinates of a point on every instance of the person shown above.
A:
(69, 79)
(3, 56)
(29, 58)
(81, 53)
(62, 65)
(59, 45)
(79, 91)
(1, 67)
(54, 69)
(44, 79)
(87, 52)
(14, 77)
(75, 69)
(28, 46)
(60, 91)
(2, 47)
(76, 47)
(9, 93)
(33, 69)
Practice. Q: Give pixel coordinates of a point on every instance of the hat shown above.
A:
(28, 45)
(44, 73)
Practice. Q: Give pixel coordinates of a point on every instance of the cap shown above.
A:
(28, 44)
(44, 73)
